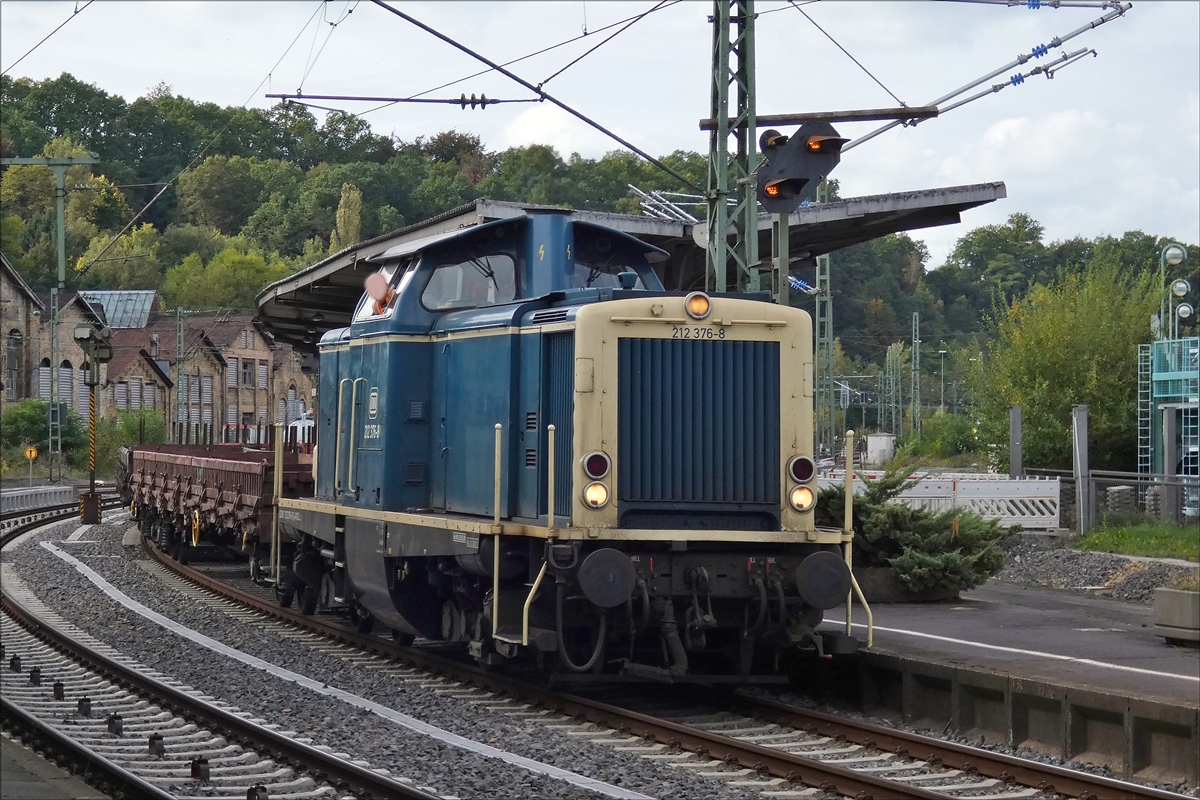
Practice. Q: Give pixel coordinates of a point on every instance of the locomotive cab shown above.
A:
(526, 445)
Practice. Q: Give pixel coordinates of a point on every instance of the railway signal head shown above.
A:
(795, 165)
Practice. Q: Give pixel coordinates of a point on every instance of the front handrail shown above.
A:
(353, 431)
(337, 455)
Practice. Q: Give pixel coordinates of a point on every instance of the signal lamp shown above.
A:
(802, 469)
(801, 498)
(596, 465)
(697, 305)
(772, 190)
(595, 495)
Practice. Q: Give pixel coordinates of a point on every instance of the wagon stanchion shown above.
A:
(550, 480)
(496, 543)
(275, 546)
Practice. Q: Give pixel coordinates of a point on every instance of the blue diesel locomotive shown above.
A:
(526, 445)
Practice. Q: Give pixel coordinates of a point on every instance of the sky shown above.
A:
(1110, 144)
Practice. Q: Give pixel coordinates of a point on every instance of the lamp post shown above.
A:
(1173, 254)
(1181, 310)
(942, 375)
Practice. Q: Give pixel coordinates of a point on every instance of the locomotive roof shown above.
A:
(300, 308)
(653, 254)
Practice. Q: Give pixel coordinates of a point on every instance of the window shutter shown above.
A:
(65, 373)
(262, 374)
(150, 400)
(281, 413)
(44, 381)
(231, 374)
(122, 396)
(206, 415)
(231, 417)
(193, 390)
(81, 393)
(206, 390)
(262, 415)
(135, 393)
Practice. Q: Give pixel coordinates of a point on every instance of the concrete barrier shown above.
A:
(27, 499)
(1136, 739)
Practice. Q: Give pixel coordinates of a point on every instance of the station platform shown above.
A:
(1061, 673)
(1093, 643)
(24, 775)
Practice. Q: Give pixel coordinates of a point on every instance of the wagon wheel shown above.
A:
(308, 599)
(285, 598)
(361, 618)
(401, 638)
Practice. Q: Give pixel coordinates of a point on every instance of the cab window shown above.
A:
(599, 260)
(468, 281)
(398, 277)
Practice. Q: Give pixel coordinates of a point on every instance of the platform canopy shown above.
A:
(300, 308)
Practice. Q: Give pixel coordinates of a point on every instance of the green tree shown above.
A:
(348, 220)
(131, 263)
(221, 192)
(231, 279)
(1072, 341)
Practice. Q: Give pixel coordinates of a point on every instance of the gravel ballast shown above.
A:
(325, 720)
(1049, 562)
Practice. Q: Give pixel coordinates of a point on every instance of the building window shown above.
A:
(247, 372)
(15, 357)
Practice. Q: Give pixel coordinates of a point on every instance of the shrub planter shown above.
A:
(1177, 616)
(880, 585)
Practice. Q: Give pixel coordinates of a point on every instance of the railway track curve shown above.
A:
(136, 732)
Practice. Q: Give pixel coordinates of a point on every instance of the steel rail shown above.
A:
(112, 778)
(773, 761)
(1048, 777)
(777, 763)
(326, 767)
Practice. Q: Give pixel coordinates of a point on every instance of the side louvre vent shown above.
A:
(414, 473)
(531, 458)
(531, 421)
(553, 315)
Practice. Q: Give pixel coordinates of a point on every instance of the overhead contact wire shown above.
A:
(539, 92)
(519, 59)
(847, 52)
(74, 14)
(628, 25)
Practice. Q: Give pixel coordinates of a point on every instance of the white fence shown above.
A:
(1028, 502)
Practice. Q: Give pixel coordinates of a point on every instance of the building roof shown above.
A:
(302, 307)
(21, 285)
(124, 308)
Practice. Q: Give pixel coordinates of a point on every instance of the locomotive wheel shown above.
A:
(285, 598)
(403, 639)
(308, 600)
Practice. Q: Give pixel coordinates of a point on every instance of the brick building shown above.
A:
(20, 318)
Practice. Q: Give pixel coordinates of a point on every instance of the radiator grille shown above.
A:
(699, 421)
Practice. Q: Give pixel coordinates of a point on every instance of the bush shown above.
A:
(28, 423)
(125, 429)
(942, 436)
(954, 550)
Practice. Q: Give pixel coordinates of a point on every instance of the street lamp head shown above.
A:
(1180, 288)
(942, 352)
(1174, 254)
(1184, 311)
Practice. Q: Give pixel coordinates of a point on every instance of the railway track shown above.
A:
(141, 733)
(753, 742)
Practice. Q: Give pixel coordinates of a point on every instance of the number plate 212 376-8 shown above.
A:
(697, 332)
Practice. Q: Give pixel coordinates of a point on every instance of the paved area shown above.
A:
(24, 775)
(1061, 637)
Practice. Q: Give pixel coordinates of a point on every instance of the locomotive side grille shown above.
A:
(698, 421)
(558, 409)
